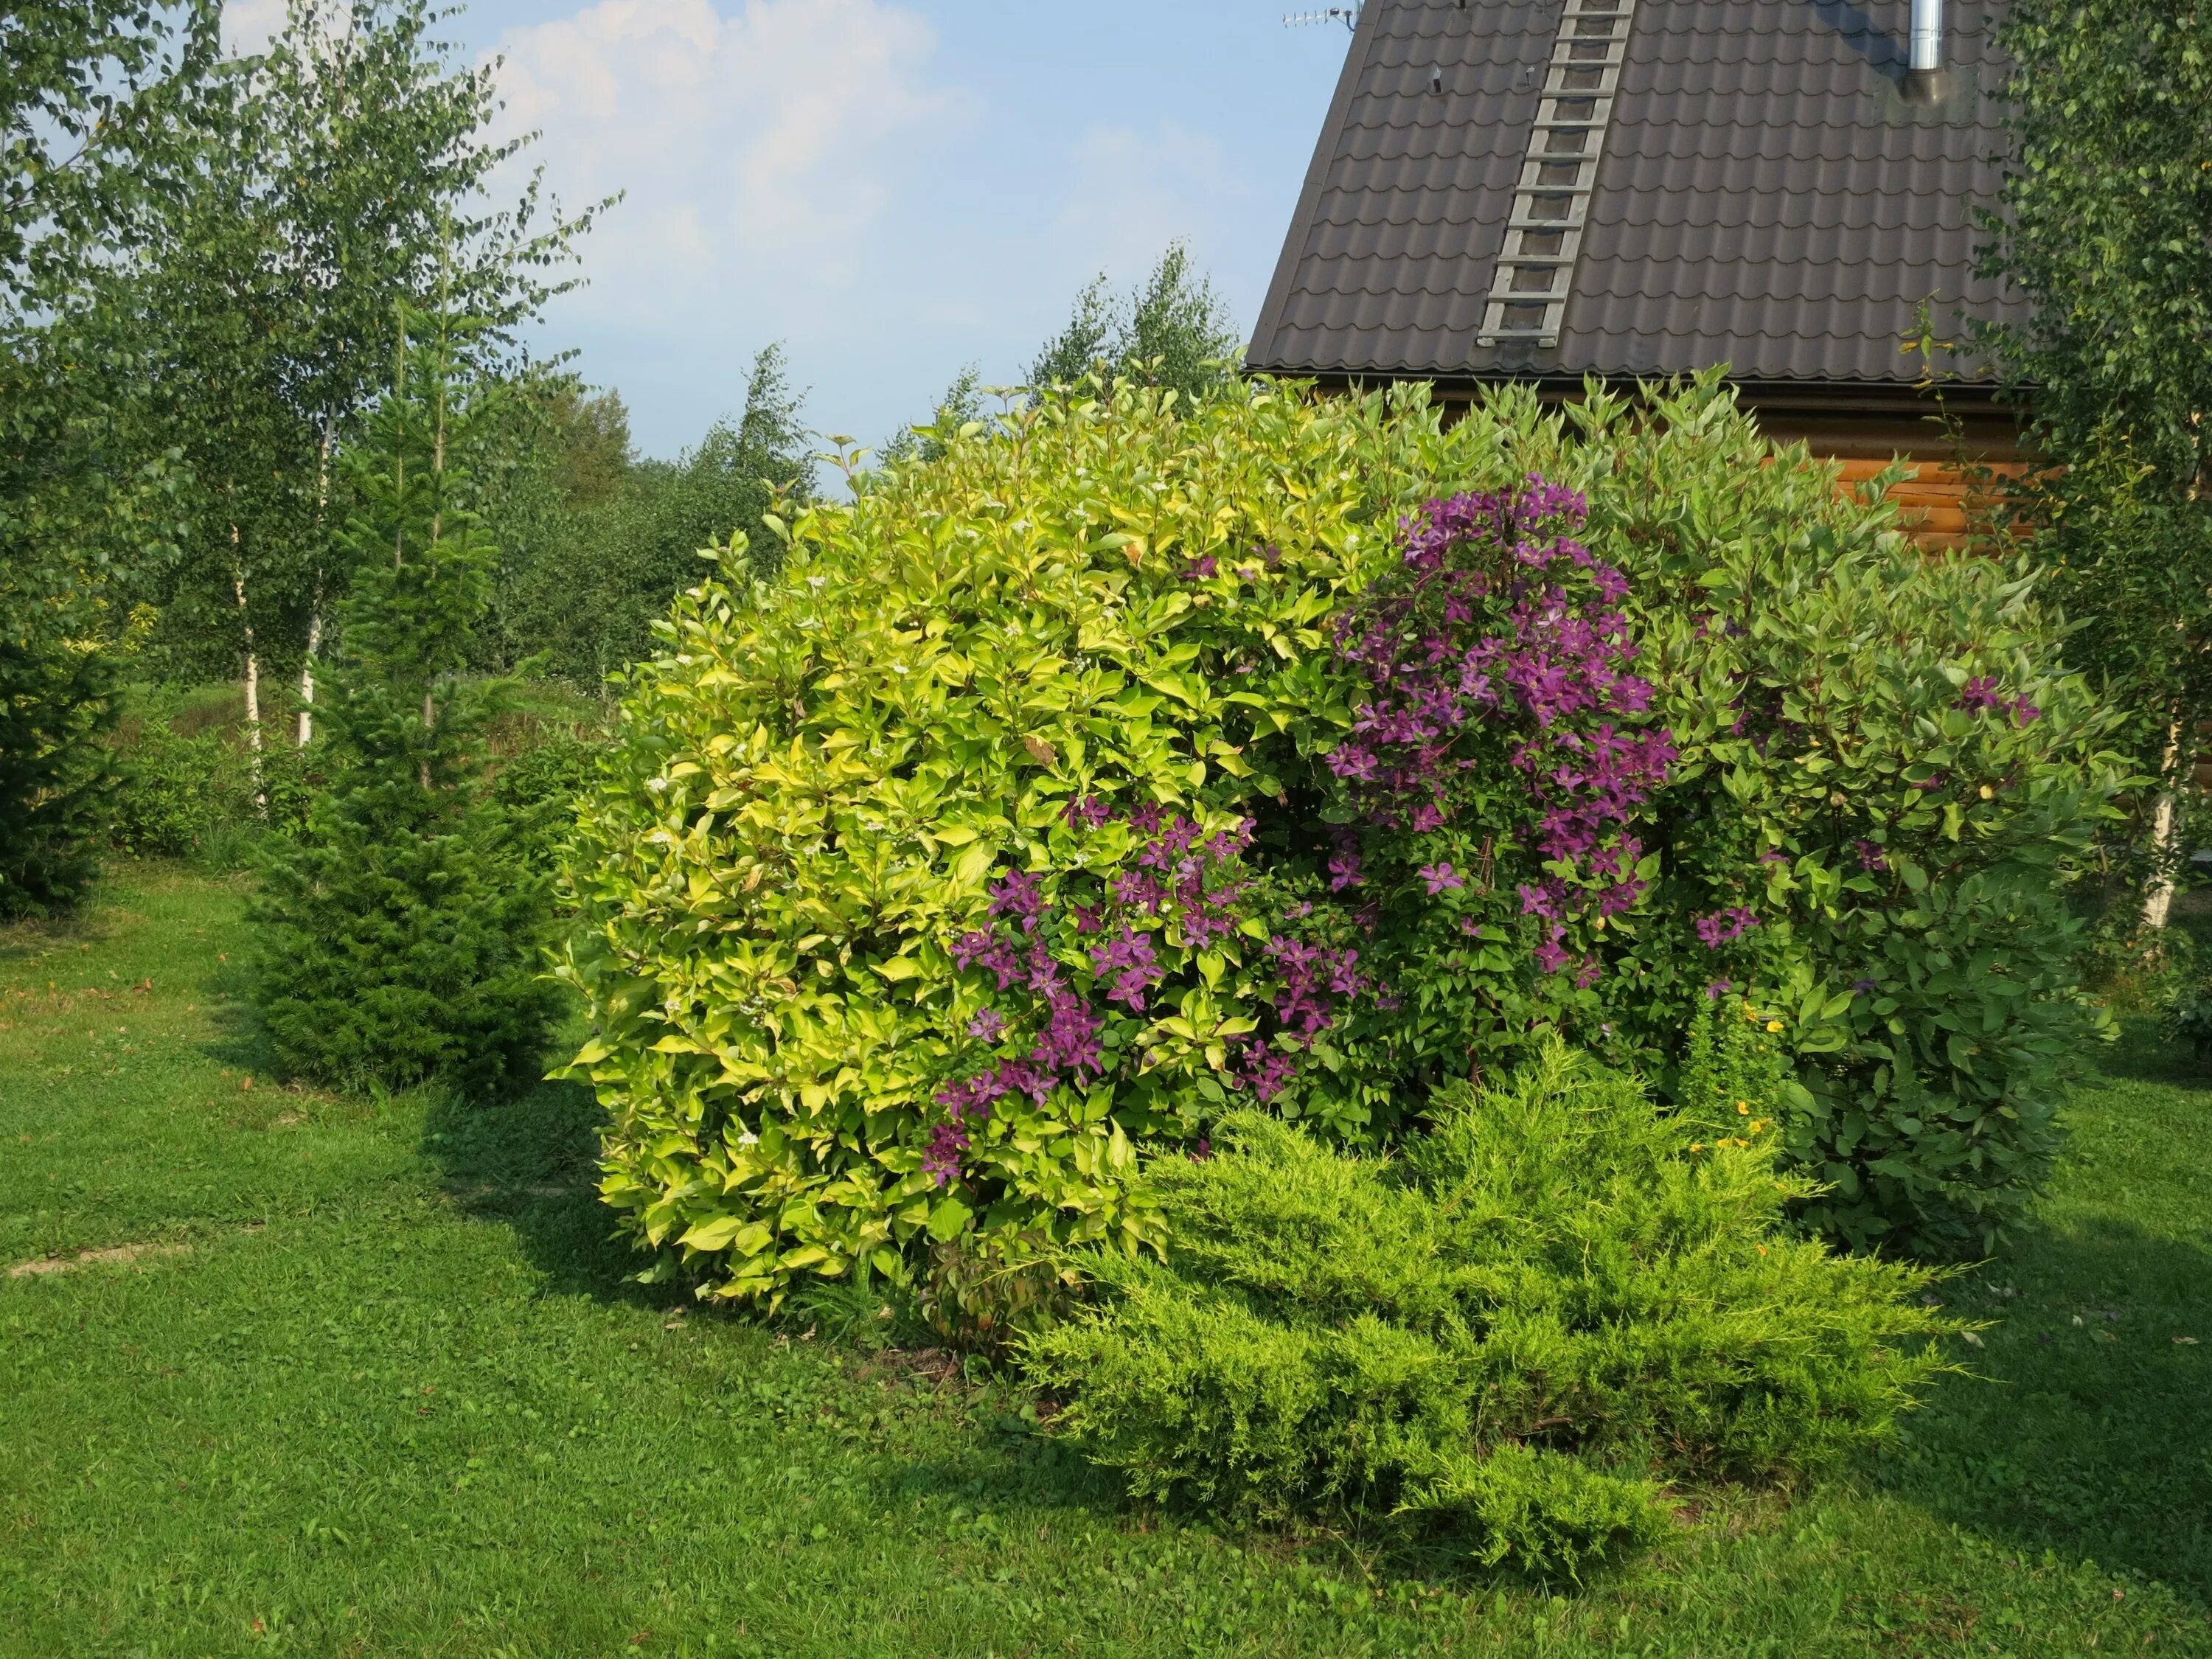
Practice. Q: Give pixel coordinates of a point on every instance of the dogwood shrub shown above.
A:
(923, 891)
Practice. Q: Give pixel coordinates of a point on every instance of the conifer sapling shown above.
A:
(401, 939)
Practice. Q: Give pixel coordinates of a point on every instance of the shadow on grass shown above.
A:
(2140, 1056)
(530, 1165)
(1009, 1466)
(2088, 1429)
(29, 938)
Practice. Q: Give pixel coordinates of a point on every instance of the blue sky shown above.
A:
(892, 188)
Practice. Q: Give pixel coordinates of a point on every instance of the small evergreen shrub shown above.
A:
(401, 937)
(1549, 1317)
(58, 701)
(1121, 768)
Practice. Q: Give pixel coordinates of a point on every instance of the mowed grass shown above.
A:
(365, 1378)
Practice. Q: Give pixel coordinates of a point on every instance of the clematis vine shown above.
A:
(1497, 668)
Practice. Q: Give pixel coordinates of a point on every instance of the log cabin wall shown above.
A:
(1944, 492)
(1946, 452)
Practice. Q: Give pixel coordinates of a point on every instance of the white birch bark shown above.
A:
(253, 686)
(2158, 899)
(315, 610)
(307, 676)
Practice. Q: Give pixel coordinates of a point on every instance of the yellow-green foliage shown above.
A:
(818, 781)
(1558, 1304)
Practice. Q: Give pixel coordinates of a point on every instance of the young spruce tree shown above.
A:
(401, 939)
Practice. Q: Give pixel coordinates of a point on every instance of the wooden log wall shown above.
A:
(1935, 502)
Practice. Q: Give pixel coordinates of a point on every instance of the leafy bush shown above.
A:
(2183, 983)
(401, 938)
(174, 791)
(2134, 968)
(987, 694)
(1802, 755)
(1117, 768)
(1555, 1309)
(1886, 780)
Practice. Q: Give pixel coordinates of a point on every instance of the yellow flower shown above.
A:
(1774, 1025)
(1743, 1107)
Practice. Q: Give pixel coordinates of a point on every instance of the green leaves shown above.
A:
(1908, 848)
(2102, 230)
(820, 776)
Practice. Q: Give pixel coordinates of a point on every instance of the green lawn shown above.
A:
(368, 1382)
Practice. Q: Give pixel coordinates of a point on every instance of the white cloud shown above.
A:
(1135, 192)
(757, 147)
(247, 25)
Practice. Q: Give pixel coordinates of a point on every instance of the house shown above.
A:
(1543, 189)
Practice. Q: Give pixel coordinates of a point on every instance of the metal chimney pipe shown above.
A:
(1927, 81)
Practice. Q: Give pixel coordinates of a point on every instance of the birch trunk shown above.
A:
(253, 685)
(307, 674)
(315, 608)
(2158, 899)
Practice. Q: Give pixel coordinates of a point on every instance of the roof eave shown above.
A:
(1900, 396)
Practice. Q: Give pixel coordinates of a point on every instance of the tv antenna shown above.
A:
(1347, 15)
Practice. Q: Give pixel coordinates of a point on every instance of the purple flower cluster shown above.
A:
(1566, 652)
(1725, 925)
(1066, 1045)
(1344, 862)
(1133, 964)
(1181, 886)
(1178, 874)
(1501, 627)
(1980, 696)
(1315, 977)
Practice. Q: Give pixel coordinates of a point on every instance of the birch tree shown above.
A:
(92, 97)
(2106, 229)
(359, 178)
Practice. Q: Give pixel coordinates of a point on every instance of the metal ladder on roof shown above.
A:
(1528, 296)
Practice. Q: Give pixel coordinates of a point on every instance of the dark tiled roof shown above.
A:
(1764, 197)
